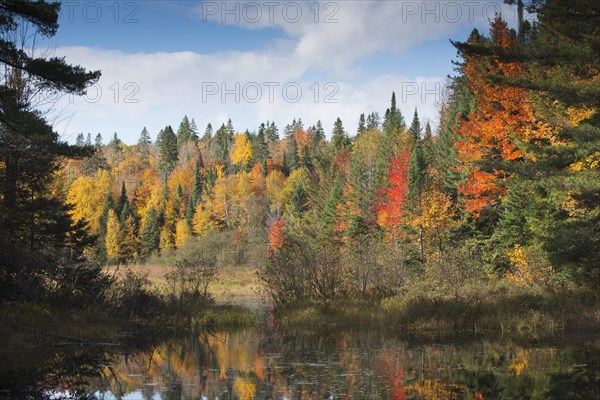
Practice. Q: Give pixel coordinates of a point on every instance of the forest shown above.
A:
(502, 196)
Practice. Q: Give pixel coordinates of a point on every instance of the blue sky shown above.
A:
(252, 61)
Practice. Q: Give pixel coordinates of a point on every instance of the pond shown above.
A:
(269, 363)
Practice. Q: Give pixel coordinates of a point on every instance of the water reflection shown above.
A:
(263, 364)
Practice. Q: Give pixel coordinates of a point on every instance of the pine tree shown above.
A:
(98, 141)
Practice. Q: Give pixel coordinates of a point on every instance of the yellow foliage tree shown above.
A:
(166, 239)
(87, 196)
(201, 221)
(183, 233)
(113, 235)
(241, 152)
(129, 240)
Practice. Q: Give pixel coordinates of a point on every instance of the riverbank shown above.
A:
(523, 315)
(26, 325)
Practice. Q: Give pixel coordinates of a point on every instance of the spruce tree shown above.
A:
(339, 138)
(144, 142)
(318, 133)
(150, 237)
(415, 127)
(208, 133)
(184, 132)
(80, 141)
(167, 147)
(361, 124)
(373, 121)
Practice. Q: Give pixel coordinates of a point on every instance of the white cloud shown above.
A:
(156, 89)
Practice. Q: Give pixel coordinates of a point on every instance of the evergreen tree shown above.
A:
(208, 133)
(415, 127)
(98, 141)
(144, 142)
(453, 112)
(339, 138)
(80, 141)
(88, 140)
(285, 165)
(373, 121)
(184, 132)
(197, 188)
(394, 121)
(190, 210)
(298, 201)
(223, 140)
(272, 132)
(123, 201)
(361, 124)
(150, 238)
(328, 214)
(318, 133)
(194, 135)
(293, 161)
(37, 235)
(167, 147)
(417, 175)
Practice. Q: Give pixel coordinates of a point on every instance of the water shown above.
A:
(265, 363)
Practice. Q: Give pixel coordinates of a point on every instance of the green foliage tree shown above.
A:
(37, 236)
(167, 147)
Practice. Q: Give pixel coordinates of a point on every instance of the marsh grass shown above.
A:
(492, 312)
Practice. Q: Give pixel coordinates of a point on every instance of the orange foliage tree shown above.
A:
(276, 235)
(499, 115)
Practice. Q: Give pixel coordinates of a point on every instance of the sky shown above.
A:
(254, 61)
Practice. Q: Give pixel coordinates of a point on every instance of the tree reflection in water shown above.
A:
(304, 365)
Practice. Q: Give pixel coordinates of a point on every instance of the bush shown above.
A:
(133, 295)
(190, 278)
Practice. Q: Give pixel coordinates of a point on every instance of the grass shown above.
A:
(233, 284)
(531, 316)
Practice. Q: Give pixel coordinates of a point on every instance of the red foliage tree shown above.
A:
(392, 199)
